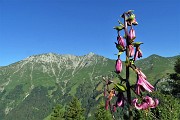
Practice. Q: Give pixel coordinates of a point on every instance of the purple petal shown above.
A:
(136, 55)
(131, 50)
(142, 74)
(114, 108)
(120, 100)
(148, 102)
(142, 106)
(121, 41)
(139, 106)
(132, 34)
(143, 84)
(139, 54)
(156, 103)
(118, 66)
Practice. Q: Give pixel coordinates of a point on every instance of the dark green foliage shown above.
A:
(2, 107)
(176, 77)
(168, 107)
(16, 92)
(85, 92)
(156, 67)
(101, 113)
(34, 107)
(58, 113)
(74, 111)
(177, 66)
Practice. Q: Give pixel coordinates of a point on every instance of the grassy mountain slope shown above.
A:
(156, 67)
(31, 87)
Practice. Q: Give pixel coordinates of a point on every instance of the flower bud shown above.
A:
(118, 66)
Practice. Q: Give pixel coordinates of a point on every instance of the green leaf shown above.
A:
(137, 44)
(120, 87)
(131, 17)
(132, 40)
(131, 61)
(120, 23)
(119, 47)
(118, 28)
(119, 53)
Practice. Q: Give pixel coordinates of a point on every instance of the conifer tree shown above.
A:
(74, 111)
(176, 77)
(101, 113)
(58, 113)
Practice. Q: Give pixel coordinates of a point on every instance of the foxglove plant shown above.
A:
(132, 52)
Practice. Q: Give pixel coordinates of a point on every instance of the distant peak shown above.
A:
(91, 54)
(155, 56)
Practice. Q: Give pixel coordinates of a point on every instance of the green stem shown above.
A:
(127, 70)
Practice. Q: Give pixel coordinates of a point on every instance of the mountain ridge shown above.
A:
(71, 56)
(48, 79)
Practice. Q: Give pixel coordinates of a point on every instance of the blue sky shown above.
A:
(30, 27)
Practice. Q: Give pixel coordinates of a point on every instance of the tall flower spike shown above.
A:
(142, 84)
(118, 66)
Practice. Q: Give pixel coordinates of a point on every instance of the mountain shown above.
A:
(31, 87)
(156, 66)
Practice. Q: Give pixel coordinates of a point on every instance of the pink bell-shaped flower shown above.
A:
(142, 84)
(132, 35)
(121, 41)
(131, 50)
(147, 102)
(120, 100)
(140, 106)
(118, 66)
(152, 103)
(138, 53)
